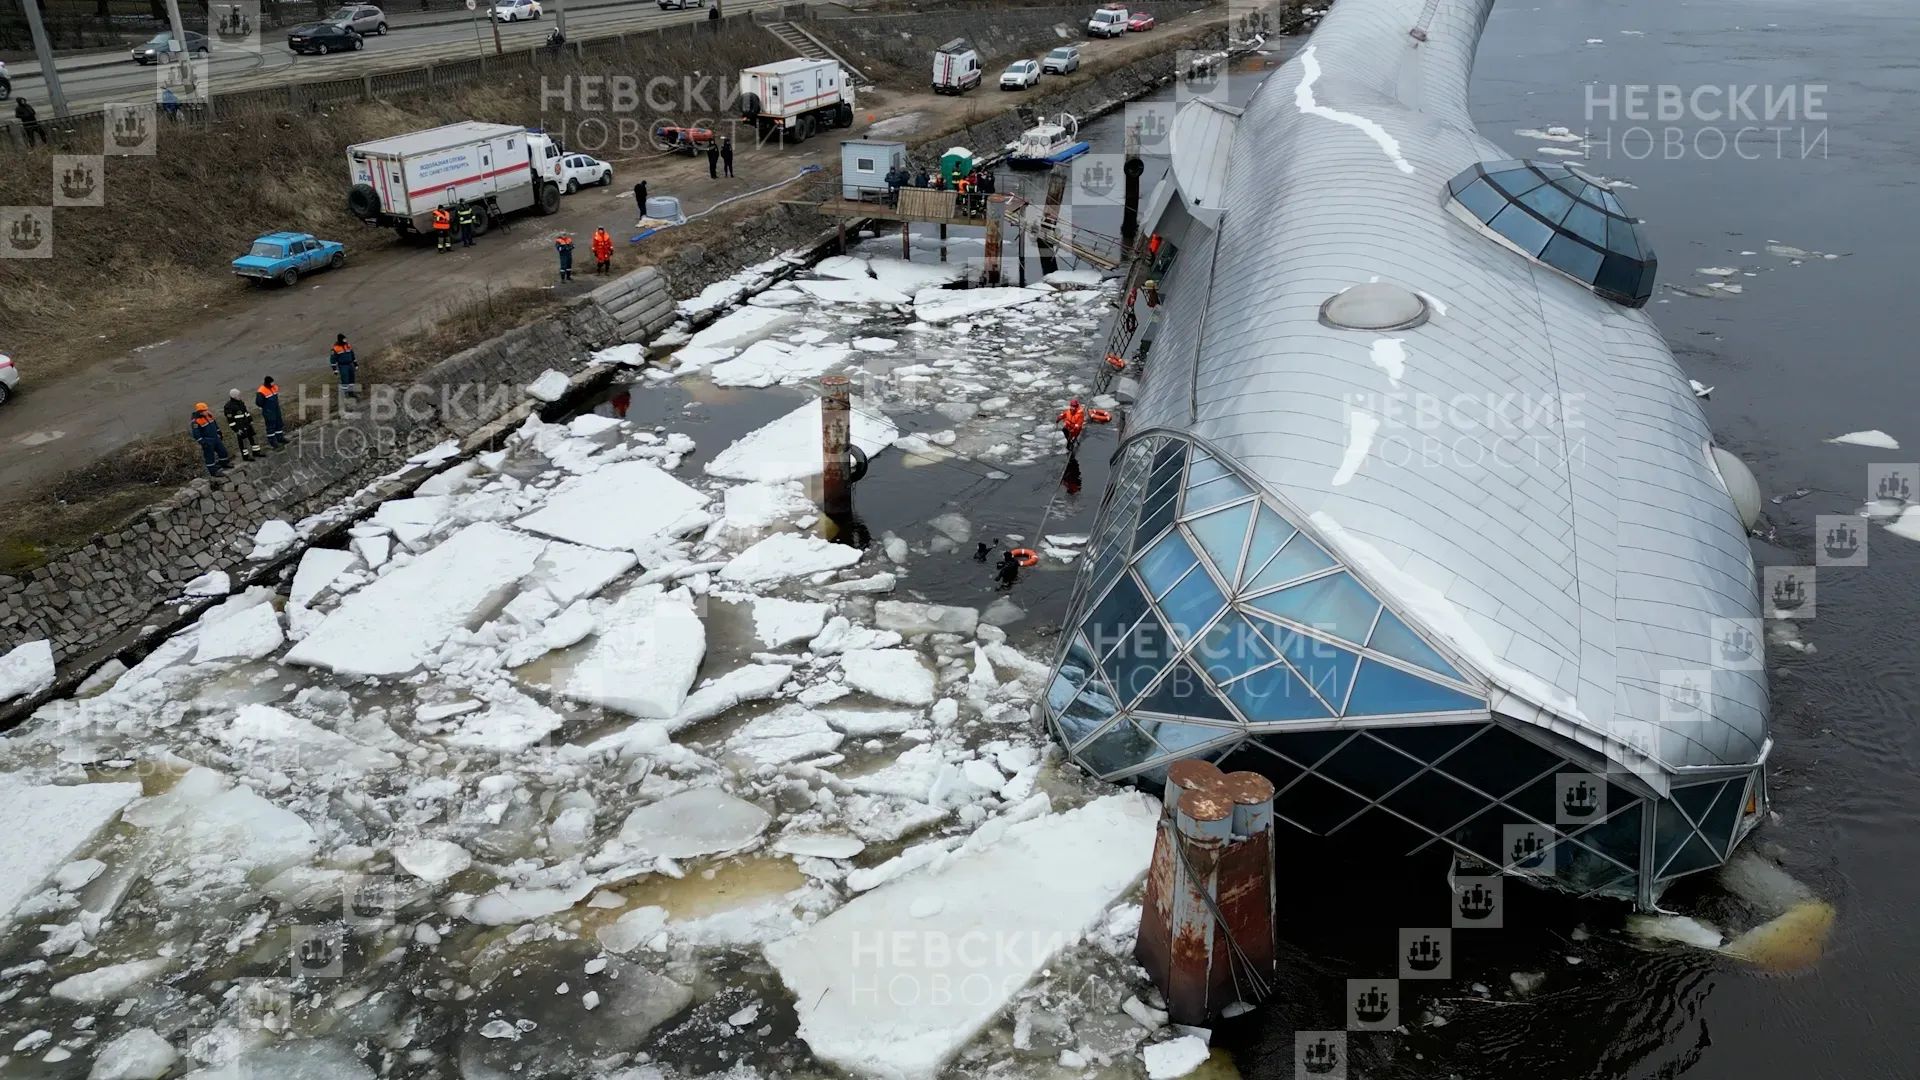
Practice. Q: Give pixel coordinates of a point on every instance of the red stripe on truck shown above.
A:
(468, 180)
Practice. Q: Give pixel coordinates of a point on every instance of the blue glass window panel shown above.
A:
(1461, 180)
(1157, 494)
(1573, 186)
(1697, 800)
(1618, 278)
(1335, 604)
(1721, 821)
(1481, 200)
(1119, 750)
(1072, 675)
(1617, 838)
(1621, 237)
(1167, 463)
(1184, 692)
(1379, 690)
(1517, 182)
(1573, 258)
(1644, 288)
(1114, 615)
(1204, 468)
(1396, 639)
(1586, 223)
(1216, 493)
(1164, 563)
(1670, 832)
(1156, 516)
(1178, 738)
(1697, 855)
(1527, 232)
(1092, 708)
(1299, 558)
(1326, 667)
(1607, 201)
(1192, 604)
(1275, 694)
(1270, 530)
(1222, 534)
(1232, 647)
(1138, 659)
(1549, 202)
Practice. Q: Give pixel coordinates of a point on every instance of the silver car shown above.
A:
(1062, 60)
(360, 18)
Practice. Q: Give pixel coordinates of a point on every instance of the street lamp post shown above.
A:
(44, 52)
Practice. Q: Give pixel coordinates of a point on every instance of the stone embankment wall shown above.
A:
(88, 601)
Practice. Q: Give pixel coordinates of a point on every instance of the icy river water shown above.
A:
(541, 885)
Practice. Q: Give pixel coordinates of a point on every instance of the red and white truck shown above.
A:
(502, 169)
(956, 67)
(793, 99)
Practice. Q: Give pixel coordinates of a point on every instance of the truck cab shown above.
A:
(1109, 21)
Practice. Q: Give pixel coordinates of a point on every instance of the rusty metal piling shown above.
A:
(1207, 927)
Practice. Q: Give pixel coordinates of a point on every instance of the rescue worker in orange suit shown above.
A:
(345, 364)
(241, 421)
(602, 251)
(268, 400)
(1073, 421)
(206, 431)
(443, 228)
(563, 246)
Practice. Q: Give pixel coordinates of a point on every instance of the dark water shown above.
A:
(1803, 352)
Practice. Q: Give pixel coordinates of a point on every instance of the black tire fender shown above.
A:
(857, 469)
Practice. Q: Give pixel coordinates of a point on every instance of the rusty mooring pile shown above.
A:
(1207, 929)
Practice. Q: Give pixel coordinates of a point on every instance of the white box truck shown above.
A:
(956, 68)
(1109, 21)
(500, 168)
(793, 99)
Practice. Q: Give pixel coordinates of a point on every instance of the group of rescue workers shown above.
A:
(601, 243)
(204, 427)
(462, 214)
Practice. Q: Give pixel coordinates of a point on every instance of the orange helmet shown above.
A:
(199, 406)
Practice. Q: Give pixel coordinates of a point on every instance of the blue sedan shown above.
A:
(284, 256)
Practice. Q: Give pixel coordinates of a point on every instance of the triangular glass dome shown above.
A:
(1557, 215)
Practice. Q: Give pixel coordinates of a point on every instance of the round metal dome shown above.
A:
(1375, 305)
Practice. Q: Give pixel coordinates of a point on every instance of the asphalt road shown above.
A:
(91, 81)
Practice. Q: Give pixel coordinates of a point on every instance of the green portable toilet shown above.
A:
(956, 163)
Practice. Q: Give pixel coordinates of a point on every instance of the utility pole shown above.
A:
(44, 51)
(178, 45)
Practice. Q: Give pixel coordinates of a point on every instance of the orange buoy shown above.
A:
(1025, 556)
(1115, 362)
(1099, 416)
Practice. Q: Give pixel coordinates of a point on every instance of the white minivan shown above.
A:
(1109, 21)
(9, 377)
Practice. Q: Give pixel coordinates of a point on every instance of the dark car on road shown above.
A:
(323, 38)
(156, 48)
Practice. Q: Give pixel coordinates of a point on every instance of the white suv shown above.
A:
(9, 377)
(1020, 75)
(580, 170)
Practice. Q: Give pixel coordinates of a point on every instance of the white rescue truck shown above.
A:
(793, 99)
(499, 168)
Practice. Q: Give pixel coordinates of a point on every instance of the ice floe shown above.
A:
(789, 448)
(26, 670)
(1877, 439)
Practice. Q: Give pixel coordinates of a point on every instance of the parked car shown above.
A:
(581, 170)
(324, 38)
(1061, 60)
(9, 377)
(1139, 21)
(672, 5)
(1020, 75)
(284, 256)
(361, 19)
(152, 50)
(515, 10)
